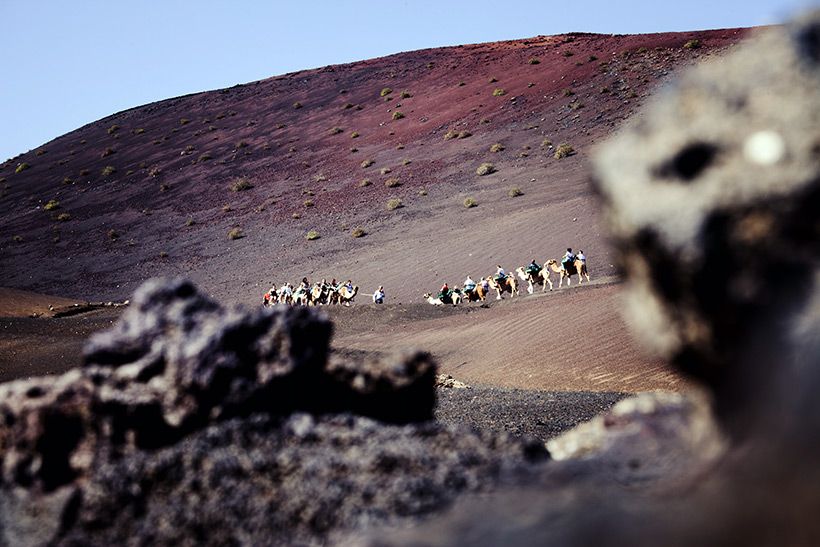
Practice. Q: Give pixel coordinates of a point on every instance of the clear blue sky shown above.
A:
(67, 63)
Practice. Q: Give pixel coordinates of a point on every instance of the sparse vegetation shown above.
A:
(85, 172)
(497, 147)
(405, 94)
(308, 203)
(692, 44)
(385, 92)
(311, 235)
(204, 157)
(184, 121)
(394, 204)
(348, 106)
(335, 130)
(358, 232)
(51, 205)
(592, 58)
(453, 134)
(21, 167)
(564, 150)
(235, 233)
(297, 105)
(17, 238)
(605, 90)
(67, 180)
(107, 152)
(397, 115)
(164, 187)
(498, 91)
(470, 202)
(392, 182)
(576, 105)
(385, 170)
(546, 143)
(492, 80)
(534, 61)
(113, 235)
(400, 146)
(320, 178)
(367, 163)
(190, 222)
(422, 192)
(108, 170)
(63, 217)
(406, 161)
(241, 144)
(364, 182)
(154, 172)
(514, 192)
(568, 53)
(354, 135)
(568, 92)
(296, 216)
(485, 169)
(241, 184)
(113, 129)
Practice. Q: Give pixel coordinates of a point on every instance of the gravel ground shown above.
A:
(537, 414)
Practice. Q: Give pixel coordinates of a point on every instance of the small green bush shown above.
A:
(113, 235)
(184, 121)
(63, 217)
(107, 152)
(17, 239)
(469, 203)
(497, 92)
(392, 182)
(397, 115)
(235, 233)
(546, 142)
(367, 163)
(21, 167)
(354, 135)
(692, 44)
(364, 182)
(406, 161)
(241, 184)
(51, 205)
(311, 235)
(405, 94)
(564, 150)
(320, 178)
(534, 61)
(492, 80)
(358, 232)
(190, 222)
(568, 53)
(485, 169)
(308, 203)
(385, 170)
(335, 130)
(348, 106)
(497, 147)
(67, 180)
(241, 144)
(113, 129)
(108, 170)
(515, 192)
(204, 157)
(385, 92)
(297, 105)
(394, 203)
(163, 254)
(568, 92)
(296, 216)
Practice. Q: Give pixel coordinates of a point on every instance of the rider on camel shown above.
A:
(533, 268)
(568, 259)
(500, 275)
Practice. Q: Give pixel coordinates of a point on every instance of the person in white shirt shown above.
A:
(469, 284)
(500, 274)
(378, 296)
(568, 258)
(581, 256)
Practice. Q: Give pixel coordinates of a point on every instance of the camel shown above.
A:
(533, 280)
(320, 294)
(346, 296)
(455, 299)
(508, 284)
(270, 298)
(300, 296)
(285, 295)
(475, 295)
(579, 268)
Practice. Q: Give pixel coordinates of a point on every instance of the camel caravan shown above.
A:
(502, 282)
(320, 293)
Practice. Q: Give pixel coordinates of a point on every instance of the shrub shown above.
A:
(241, 144)
(405, 94)
(17, 239)
(400, 146)
(297, 105)
(385, 170)
(367, 163)
(335, 130)
(546, 142)
(514, 192)
(692, 44)
(154, 172)
(497, 147)
(358, 232)
(51, 205)
(406, 161)
(453, 134)
(67, 180)
(364, 182)
(394, 203)
(113, 129)
(235, 233)
(641, 50)
(241, 184)
(564, 150)
(397, 115)
(184, 121)
(592, 58)
(63, 217)
(320, 178)
(164, 187)
(568, 92)
(308, 203)
(533, 61)
(107, 152)
(108, 170)
(204, 157)
(190, 222)
(470, 203)
(568, 53)
(113, 235)
(385, 92)
(85, 172)
(605, 90)
(354, 135)
(296, 216)
(40, 152)
(461, 84)
(22, 167)
(498, 91)
(392, 182)
(311, 235)
(348, 106)
(576, 105)
(492, 80)
(485, 169)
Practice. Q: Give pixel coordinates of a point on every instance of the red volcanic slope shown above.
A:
(148, 191)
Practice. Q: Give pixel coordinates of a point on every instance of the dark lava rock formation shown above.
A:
(194, 423)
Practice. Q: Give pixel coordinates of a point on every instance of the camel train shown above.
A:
(320, 293)
(502, 283)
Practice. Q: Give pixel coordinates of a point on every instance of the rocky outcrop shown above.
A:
(189, 420)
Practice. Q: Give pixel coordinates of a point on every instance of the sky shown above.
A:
(68, 63)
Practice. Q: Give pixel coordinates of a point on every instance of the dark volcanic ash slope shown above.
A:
(148, 191)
